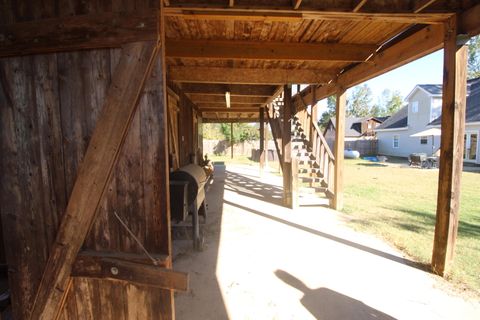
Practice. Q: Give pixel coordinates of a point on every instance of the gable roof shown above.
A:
(353, 125)
(433, 89)
(396, 121)
(472, 113)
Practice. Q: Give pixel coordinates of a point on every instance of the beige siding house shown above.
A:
(423, 110)
(394, 135)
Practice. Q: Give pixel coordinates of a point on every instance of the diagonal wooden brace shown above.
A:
(94, 174)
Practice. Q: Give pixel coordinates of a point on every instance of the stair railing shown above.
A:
(321, 151)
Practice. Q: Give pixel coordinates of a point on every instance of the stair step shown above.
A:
(309, 162)
(310, 179)
(299, 146)
(309, 171)
(312, 189)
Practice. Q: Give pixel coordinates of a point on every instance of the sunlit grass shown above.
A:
(399, 203)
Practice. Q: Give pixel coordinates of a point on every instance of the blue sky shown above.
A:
(427, 70)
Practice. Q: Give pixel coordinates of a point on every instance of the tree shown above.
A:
(331, 109)
(389, 103)
(474, 57)
(241, 132)
(359, 100)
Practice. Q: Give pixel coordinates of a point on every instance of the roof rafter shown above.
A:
(247, 76)
(420, 5)
(235, 90)
(288, 14)
(257, 50)
(359, 5)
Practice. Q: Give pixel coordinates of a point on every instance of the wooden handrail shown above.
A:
(322, 139)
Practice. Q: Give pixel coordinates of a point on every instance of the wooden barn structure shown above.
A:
(100, 99)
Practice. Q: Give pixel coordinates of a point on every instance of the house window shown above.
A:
(423, 140)
(415, 106)
(395, 141)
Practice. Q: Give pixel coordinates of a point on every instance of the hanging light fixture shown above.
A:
(227, 99)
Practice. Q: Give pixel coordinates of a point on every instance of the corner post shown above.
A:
(262, 140)
(451, 149)
(339, 149)
(287, 147)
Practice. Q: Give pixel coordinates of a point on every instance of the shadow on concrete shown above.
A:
(327, 304)
(202, 265)
(245, 186)
(410, 263)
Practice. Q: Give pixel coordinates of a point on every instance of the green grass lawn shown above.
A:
(398, 203)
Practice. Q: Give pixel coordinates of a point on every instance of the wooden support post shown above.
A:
(100, 158)
(451, 154)
(231, 139)
(287, 147)
(262, 139)
(339, 149)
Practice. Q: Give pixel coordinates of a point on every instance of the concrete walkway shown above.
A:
(262, 261)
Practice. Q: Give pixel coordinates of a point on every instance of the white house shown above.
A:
(423, 111)
(471, 151)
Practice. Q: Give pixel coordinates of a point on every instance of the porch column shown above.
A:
(262, 140)
(339, 149)
(231, 139)
(451, 149)
(287, 147)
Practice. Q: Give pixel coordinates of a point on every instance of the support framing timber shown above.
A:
(451, 154)
(287, 147)
(262, 139)
(339, 149)
(101, 156)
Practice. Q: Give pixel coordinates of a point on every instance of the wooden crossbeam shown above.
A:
(94, 174)
(359, 5)
(246, 76)
(256, 50)
(419, 44)
(105, 30)
(235, 90)
(202, 98)
(420, 5)
(290, 15)
(469, 23)
(296, 4)
(236, 108)
(121, 269)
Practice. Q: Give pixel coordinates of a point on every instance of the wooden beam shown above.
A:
(166, 3)
(202, 98)
(419, 44)
(296, 4)
(222, 105)
(163, 260)
(290, 15)
(420, 5)
(235, 90)
(469, 21)
(287, 173)
(261, 159)
(118, 269)
(231, 3)
(94, 174)
(359, 5)
(246, 76)
(339, 150)
(233, 109)
(451, 150)
(104, 30)
(231, 138)
(257, 50)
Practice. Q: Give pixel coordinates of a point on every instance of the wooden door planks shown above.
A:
(108, 137)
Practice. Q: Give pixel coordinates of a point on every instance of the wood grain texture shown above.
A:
(451, 154)
(105, 30)
(339, 150)
(287, 148)
(93, 176)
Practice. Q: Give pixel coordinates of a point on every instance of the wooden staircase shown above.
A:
(314, 161)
